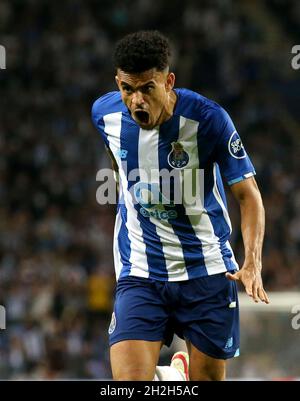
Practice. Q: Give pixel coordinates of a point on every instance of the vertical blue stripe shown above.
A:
(123, 238)
(124, 241)
(227, 254)
(129, 140)
(190, 243)
(213, 208)
(215, 213)
(221, 188)
(101, 127)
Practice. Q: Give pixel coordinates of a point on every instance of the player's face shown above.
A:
(147, 95)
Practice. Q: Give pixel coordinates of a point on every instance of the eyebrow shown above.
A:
(141, 86)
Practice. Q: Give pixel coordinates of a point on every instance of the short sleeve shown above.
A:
(98, 121)
(231, 156)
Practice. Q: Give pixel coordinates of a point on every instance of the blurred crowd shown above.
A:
(56, 268)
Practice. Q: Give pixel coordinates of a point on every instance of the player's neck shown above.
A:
(168, 109)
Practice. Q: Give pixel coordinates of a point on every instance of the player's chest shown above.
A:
(151, 149)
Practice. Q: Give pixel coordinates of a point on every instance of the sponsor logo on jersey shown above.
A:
(153, 202)
(178, 158)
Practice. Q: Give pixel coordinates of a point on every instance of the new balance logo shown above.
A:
(229, 343)
(122, 153)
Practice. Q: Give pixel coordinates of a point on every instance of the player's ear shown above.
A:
(117, 81)
(170, 82)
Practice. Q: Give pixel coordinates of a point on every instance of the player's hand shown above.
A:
(252, 281)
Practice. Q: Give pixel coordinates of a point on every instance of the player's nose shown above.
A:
(137, 99)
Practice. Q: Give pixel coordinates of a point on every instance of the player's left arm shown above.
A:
(253, 226)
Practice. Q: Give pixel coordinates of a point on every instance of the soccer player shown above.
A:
(175, 268)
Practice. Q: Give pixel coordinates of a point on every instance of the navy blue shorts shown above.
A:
(203, 311)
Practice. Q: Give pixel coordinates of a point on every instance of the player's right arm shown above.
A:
(253, 227)
(235, 165)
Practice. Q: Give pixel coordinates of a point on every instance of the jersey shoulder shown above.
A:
(197, 107)
(212, 117)
(109, 103)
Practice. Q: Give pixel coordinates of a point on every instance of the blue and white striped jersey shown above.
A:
(159, 241)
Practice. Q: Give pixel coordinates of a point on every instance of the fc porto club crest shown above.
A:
(178, 158)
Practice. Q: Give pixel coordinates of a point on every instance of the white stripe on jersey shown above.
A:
(225, 213)
(201, 223)
(232, 257)
(117, 256)
(113, 123)
(220, 200)
(149, 162)
(118, 223)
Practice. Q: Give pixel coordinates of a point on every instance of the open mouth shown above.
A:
(142, 116)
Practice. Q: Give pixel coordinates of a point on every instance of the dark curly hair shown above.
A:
(141, 51)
